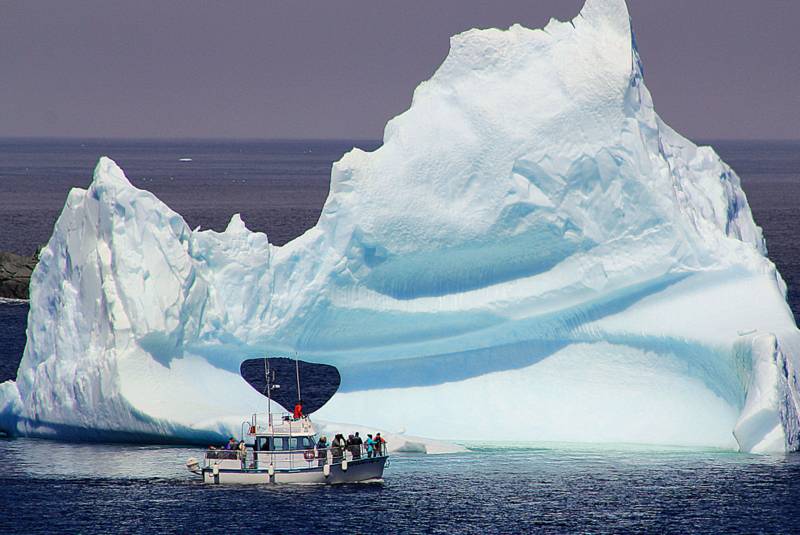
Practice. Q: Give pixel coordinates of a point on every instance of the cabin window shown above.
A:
(284, 443)
(301, 443)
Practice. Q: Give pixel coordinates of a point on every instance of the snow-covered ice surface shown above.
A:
(532, 254)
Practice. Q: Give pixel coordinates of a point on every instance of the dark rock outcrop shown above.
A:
(15, 274)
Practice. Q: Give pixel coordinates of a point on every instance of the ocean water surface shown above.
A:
(279, 188)
(49, 487)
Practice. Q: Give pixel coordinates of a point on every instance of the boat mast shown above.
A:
(297, 374)
(269, 389)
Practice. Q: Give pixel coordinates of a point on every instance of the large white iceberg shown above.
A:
(531, 255)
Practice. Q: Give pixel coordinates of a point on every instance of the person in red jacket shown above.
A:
(380, 445)
(298, 409)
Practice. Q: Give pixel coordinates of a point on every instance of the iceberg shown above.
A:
(531, 255)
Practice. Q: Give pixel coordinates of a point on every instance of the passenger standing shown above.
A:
(380, 444)
(357, 445)
(298, 410)
(337, 448)
(242, 450)
(370, 446)
(322, 450)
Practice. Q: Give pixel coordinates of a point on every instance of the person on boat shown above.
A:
(358, 444)
(338, 448)
(242, 452)
(322, 450)
(380, 444)
(298, 409)
(353, 447)
(231, 445)
(370, 442)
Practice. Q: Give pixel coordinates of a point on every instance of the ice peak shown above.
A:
(613, 13)
(236, 225)
(108, 174)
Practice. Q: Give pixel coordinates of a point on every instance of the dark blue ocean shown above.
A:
(279, 188)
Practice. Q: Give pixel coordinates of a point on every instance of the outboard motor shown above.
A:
(193, 465)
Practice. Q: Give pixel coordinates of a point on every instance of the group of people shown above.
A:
(372, 446)
(231, 450)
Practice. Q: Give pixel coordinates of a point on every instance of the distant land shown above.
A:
(15, 274)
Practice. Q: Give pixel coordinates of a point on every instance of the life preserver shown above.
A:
(308, 455)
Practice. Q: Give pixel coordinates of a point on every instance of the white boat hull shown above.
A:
(364, 469)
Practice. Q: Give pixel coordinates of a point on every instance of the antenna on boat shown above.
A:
(269, 376)
(297, 373)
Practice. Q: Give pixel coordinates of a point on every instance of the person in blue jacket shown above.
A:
(370, 442)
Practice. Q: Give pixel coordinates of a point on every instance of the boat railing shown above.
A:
(293, 459)
(222, 454)
(314, 457)
(283, 423)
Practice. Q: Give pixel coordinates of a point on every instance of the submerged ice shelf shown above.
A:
(531, 254)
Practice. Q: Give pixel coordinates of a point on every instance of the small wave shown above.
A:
(583, 447)
(13, 301)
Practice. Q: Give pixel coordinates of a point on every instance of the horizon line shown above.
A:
(295, 139)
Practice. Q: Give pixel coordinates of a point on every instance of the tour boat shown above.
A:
(282, 448)
(284, 451)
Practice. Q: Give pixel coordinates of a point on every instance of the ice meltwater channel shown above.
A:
(531, 254)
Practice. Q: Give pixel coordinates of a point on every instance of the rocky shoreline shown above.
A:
(15, 274)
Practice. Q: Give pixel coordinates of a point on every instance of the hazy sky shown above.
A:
(342, 68)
